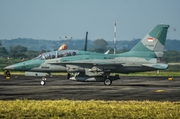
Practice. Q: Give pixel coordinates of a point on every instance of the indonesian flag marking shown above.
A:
(150, 39)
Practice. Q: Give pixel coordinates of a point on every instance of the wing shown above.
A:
(96, 62)
(90, 67)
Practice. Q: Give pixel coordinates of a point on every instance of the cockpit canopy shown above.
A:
(56, 54)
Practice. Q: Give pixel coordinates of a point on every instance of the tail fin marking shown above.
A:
(154, 41)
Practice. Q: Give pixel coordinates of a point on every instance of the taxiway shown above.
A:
(153, 88)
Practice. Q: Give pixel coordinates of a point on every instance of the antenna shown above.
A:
(85, 45)
(115, 37)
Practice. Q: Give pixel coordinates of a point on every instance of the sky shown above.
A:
(50, 19)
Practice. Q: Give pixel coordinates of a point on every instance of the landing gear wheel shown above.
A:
(68, 75)
(7, 74)
(43, 82)
(107, 82)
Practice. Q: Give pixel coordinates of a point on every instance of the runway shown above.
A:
(58, 87)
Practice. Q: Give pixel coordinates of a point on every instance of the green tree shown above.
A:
(171, 56)
(100, 45)
(3, 51)
(18, 51)
(32, 54)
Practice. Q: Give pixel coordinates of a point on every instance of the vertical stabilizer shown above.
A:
(154, 41)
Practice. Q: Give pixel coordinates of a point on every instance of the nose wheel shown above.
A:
(43, 81)
(7, 74)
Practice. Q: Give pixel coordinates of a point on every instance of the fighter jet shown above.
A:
(90, 66)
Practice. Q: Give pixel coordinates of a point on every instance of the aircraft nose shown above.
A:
(10, 67)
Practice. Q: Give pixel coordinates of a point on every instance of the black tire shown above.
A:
(42, 82)
(68, 75)
(107, 82)
(7, 74)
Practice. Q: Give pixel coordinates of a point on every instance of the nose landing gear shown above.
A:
(7, 74)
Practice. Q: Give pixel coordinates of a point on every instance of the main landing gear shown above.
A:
(85, 78)
(107, 81)
(43, 81)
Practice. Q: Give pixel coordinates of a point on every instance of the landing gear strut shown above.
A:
(43, 81)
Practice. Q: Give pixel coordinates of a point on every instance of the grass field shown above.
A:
(69, 109)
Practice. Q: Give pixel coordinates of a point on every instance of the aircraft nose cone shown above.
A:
(10, 67)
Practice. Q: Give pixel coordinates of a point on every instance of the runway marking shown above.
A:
(158, 91)
(170, 79)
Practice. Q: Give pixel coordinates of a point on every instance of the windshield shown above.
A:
(38, 57)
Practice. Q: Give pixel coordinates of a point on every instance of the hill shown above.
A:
(38, 45)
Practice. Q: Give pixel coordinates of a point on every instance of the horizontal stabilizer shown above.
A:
(159, 66)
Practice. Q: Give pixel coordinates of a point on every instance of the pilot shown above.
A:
(60, 55)
(74, 53)
(53, 56)
(49, 57)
